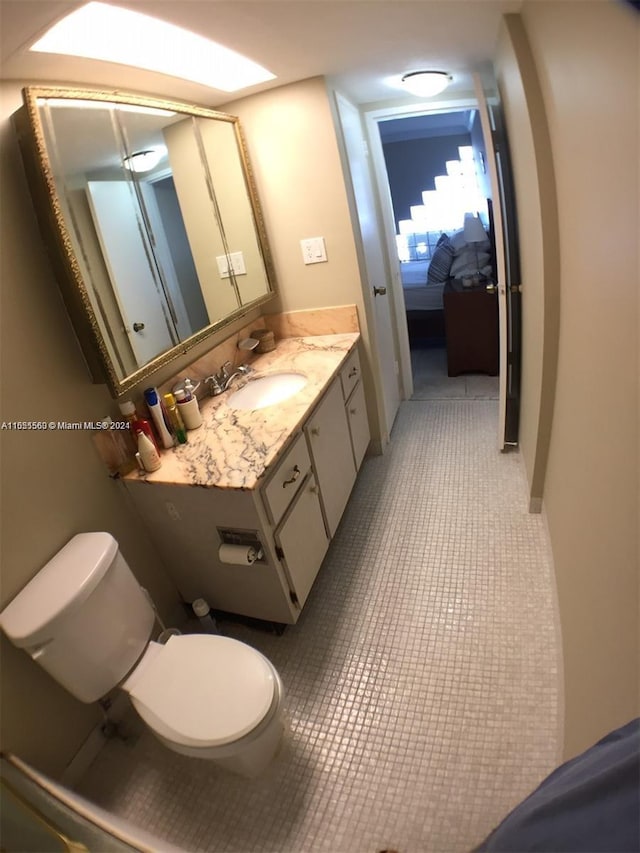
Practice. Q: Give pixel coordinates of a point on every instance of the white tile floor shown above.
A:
(431, 382)
(421, 680)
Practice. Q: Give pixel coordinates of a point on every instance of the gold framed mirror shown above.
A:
(152, 221)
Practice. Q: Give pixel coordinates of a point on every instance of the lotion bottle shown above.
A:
(157, 414)
(149, 456)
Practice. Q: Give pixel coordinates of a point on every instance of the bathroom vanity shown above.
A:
(276, 479)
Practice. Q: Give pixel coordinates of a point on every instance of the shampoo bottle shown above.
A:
(136, 423)
(157, 414)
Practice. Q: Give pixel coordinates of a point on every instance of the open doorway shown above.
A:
(442, 218)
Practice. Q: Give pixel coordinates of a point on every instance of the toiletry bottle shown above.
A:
(175, 419)
(189, 409)
(203, 612)
(149, 455)
(136, 423)
(157, 414)
(115, 447)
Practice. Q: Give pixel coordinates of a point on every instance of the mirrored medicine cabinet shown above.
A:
(152, 221)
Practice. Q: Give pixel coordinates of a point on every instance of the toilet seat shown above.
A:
(201, 690)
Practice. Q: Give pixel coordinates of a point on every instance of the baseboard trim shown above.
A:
(535, 505)
(90, 749)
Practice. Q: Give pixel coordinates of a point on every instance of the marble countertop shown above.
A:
(235, 449)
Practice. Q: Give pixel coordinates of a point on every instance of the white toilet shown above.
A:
(85, 619)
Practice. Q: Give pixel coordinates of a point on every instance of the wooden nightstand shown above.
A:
(471, 323)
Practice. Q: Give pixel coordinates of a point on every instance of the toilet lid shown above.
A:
(204, 690)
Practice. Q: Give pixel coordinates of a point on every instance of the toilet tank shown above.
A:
(84, 617)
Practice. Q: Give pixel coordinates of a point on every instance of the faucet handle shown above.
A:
(214, 385)
(223, 375)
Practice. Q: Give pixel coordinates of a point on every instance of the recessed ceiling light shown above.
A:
(113, 34)
(425, 84)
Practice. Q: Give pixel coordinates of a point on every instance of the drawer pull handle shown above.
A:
(293, 477)
(315, 430)
(353, 372)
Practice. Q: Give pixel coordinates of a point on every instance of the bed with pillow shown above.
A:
(423, 280)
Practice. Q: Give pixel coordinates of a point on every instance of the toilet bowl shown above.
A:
(210, 697)
(85, 620)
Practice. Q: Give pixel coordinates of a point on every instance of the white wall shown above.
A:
(53, 483)
(586, 56)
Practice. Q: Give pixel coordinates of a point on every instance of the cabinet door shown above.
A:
(328, 435)
(303, 539)
(358, 424)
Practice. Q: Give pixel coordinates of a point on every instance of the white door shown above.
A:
(501, 272)
(163, 254)
(129, 261)
(372, 259)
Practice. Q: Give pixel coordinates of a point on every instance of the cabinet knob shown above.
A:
(294, 476)
(315, 431)
(353, 411)
(314, 490)
(353, 372)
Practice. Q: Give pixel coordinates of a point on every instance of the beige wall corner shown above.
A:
(586, 56)
(292, 145)
(537, 214)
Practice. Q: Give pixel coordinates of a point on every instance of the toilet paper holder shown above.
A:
(243, 538)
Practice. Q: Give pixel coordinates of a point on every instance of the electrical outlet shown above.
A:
(313, 250)
(172, 512)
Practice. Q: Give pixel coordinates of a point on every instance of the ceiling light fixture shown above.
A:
(144, 161)
(113, 34)
(425, 84)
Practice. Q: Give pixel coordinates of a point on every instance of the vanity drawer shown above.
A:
(350, 374)
(287, 479)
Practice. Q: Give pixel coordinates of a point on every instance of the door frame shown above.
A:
(372, 119)
(373, 261)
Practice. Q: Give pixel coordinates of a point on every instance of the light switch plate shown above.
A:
(237, 263)
(231, 263)
(314, 250)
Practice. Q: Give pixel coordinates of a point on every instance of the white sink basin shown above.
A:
(267, 391)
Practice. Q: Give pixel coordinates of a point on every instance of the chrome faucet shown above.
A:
(219, 382)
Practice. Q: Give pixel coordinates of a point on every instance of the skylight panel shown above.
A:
(113, 34)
